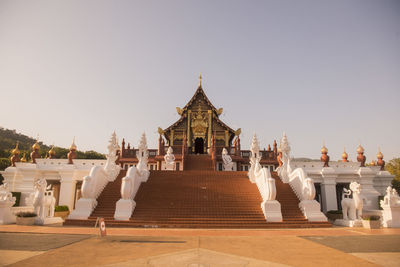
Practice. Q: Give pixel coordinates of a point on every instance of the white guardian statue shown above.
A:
(352, 207)
(6, 202)
(227, 160)
(44, 203)
(391, 208)
(169, 160)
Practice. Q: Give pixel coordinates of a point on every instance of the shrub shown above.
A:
(26, 214)
(371, 217)
(335, 212)
(61, 208)
(17, 196)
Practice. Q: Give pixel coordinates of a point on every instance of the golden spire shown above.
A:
(360, 149)
(344, 155)
(51, 151)
(379, 155)
(72, 146)
(324, 150)
(36, 145)
(23, 158)
(15, 151)
(200, 80)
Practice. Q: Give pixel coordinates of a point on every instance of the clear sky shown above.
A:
(319, 70)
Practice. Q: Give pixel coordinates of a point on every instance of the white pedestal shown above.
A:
(124, 209)
(6, 216)
(48, 220)
(312, 211)
(348, 223)
(272, 210)
(84, 207)
(391, 216)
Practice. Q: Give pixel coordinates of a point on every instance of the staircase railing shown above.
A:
(304, 189)
(129, 187)
(267, 188)
(96, 181)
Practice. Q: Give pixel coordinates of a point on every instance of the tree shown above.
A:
(393, 166)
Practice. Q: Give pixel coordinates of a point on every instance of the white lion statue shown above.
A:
(352, 208)
(43, 200)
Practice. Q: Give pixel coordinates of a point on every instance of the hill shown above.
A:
(8, 139)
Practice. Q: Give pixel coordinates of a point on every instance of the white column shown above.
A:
(67, 188)
(368, 192)
(328, 189)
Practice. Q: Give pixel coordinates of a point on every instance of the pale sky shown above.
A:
(318, 70)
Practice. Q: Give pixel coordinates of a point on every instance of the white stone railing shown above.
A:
(92, 186)
(96, 181)
(129, 187)
(267, 188)
(304, 189)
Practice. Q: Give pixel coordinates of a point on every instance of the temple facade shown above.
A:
(198, 125)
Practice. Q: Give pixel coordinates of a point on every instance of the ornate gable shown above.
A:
(199, 120)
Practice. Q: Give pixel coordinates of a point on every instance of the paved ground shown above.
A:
(74, 246)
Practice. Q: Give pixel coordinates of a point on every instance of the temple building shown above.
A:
(198, 124)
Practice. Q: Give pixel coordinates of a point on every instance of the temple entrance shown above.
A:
(199, 145)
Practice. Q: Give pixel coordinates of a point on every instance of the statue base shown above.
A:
(312, 212)
(6, 216)
(124, 209)
(348, 223)
(391, 216)
(48, 220)
(272, 210)
(84, 207)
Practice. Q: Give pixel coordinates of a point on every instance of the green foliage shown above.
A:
(371, 217)
(393, 167)
(334, 212)
(26, 214)
(61, 208)
(17, 196)
(4, 163)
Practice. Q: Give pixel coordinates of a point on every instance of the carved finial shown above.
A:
(324, 157)
(72, 146)
(51, 152)
(344, 155)
(380, 161)
(200, 80)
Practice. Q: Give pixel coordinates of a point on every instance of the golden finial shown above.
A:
(51, 151)
(72, 146)
(344, 154)
(324, 150)
(360, 149)
(379, 155)
(36, 145)
(23, 158)
(15, 151)
(200, 80)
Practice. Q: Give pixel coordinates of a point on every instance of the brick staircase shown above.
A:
(199, 198)
(198, 162)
